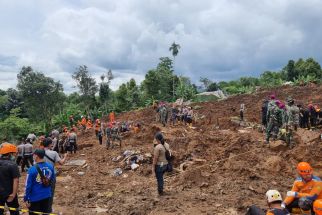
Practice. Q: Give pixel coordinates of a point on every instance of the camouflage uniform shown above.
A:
(115, 136)
(163, 114)
(293, 113)
(273, 121)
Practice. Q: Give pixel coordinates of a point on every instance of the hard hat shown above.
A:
(273, 196)
(317, 207)
(304, 168)
(6, 148)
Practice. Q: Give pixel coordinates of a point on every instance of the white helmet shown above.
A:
(273, 196)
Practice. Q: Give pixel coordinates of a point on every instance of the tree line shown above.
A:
(39, 103)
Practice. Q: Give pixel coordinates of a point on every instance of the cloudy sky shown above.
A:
(220, 39)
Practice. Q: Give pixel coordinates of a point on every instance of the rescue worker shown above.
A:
(71, 120)
(112, 117)
(32, 137)
(189, 117)
(174, 113)
(100, 135)
(115, 133)
(65, 129)
(9, 178)
(89, 124)
(97, 126)
(272, 101)
(317, 207)
(20, 148)
(37, 193)
(163, 115)
(27, 155)
(241, 111)
(72, 142)
(274, 200)
(108, 132)
(52, 157)
(312, 116)
(306, 189)
(292, 124)
(273, 120)
(160, 163)
(264, 112)
(83, 123)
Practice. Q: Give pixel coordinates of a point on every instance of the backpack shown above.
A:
(44, 180)
(168, 154)
(276, 211)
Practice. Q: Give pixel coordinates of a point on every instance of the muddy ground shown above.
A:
(222, 166)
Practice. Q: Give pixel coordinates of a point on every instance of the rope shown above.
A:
(24, 210)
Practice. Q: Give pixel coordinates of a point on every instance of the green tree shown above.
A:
(174, 49)
(290, 72)
(205, 81)
(212, 87)
(42, 95)
(87, 86)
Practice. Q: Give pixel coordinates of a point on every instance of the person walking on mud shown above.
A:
(241, 111)
(293, 113)
(163, 114)
(160, 162)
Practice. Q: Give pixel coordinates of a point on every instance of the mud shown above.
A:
(225, 166)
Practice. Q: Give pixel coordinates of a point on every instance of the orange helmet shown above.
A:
(6, 148)
(304, 168)
(317, 207)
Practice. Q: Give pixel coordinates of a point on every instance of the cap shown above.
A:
(40, 153)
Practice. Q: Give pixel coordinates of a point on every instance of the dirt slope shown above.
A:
(226, 166)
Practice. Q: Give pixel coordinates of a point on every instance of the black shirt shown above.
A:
(8, 171)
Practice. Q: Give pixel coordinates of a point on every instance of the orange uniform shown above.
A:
(97, 125)
(83, 122)
(311, 189)
(112, 117)
(89, 124)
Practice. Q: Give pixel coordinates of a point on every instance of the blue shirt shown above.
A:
(35, 190)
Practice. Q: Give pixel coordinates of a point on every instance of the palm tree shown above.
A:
(175, 50)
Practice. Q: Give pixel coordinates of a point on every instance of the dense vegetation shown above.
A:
(39, 103)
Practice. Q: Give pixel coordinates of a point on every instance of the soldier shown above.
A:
(115, 134)
(163, 114)
(108, 132)
(264, 112)
(292, 124)
(273, 120)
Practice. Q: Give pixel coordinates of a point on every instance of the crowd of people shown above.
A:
(281, 119)
(177, 113)
(40, 179)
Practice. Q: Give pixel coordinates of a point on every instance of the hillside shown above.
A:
(224, 166)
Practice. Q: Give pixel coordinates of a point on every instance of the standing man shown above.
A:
(293, 114)
(20, 152)
(9, 178)
(52, 157)
(72, 141)
(241, 111)
(32, 137)
(27, 155)
(38, 190)
(264, 112)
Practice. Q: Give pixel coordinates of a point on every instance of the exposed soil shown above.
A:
(225, 165)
